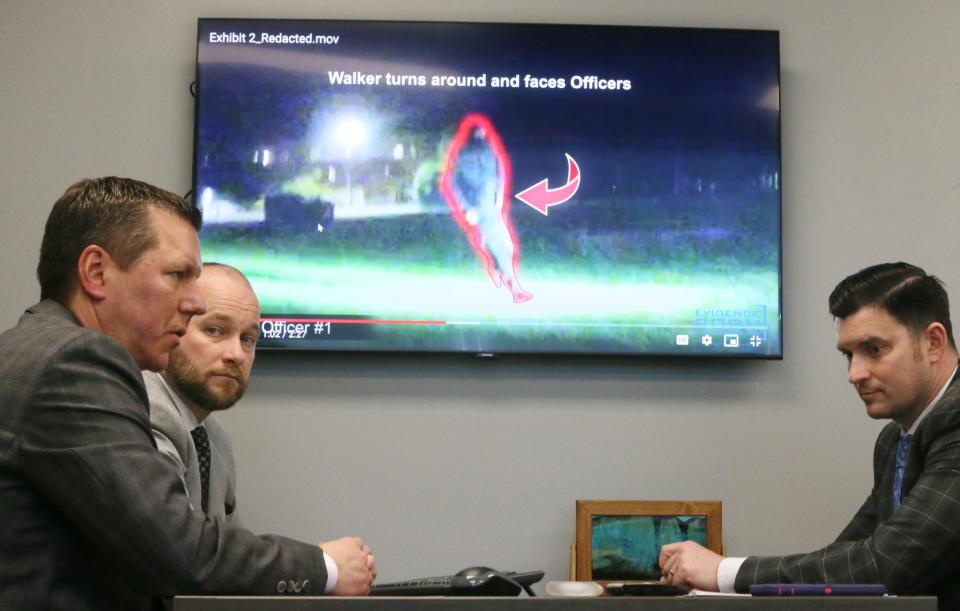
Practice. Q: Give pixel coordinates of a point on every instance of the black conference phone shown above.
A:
(473, 581)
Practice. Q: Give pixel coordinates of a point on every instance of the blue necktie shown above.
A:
(903, 448)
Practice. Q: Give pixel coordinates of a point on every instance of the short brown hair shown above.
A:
(110, 212)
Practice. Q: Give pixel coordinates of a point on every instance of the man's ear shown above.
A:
(91, 271)
(936, 339)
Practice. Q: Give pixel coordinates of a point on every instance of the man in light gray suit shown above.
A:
(208, 372)
(93, 516)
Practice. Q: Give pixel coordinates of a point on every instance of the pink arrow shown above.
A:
(540, 196)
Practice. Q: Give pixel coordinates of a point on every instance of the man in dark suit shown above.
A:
(93, 518)
(893, 326)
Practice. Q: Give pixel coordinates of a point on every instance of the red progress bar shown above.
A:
(356, 321)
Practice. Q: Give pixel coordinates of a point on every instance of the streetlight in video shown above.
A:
(351, 133)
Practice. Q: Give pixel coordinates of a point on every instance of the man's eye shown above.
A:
(215, 331)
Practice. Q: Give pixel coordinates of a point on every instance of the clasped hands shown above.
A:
(356, 566)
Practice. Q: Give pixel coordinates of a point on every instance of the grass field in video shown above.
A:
(593, 287)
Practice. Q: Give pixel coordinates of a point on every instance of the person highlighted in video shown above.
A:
(476, 184)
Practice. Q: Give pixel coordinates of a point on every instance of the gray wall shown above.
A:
(441, 462)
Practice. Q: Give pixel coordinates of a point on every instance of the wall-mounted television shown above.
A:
(495, 188)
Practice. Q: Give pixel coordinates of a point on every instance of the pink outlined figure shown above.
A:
(475, 183)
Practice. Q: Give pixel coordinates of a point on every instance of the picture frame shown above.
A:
(620, 540)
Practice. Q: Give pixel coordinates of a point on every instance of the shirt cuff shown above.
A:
(727, 574)
(332, 573)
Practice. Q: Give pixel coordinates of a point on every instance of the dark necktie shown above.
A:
(202, 442)
(903, 449)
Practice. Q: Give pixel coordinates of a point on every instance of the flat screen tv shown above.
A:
(495, 188)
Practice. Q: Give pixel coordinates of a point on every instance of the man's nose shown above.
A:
(234, 352)
(857, 372)
(193, 302)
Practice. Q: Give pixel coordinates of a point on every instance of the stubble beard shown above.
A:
(195, 385)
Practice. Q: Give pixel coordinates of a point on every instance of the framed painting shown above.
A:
(621, 540)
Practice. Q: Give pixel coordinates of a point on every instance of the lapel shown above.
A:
(943, 414)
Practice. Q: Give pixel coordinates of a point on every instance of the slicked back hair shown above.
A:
(912, 296)
(110, 212)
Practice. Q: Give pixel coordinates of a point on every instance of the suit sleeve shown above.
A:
(87, 445)
(910, 552)
(864, 522)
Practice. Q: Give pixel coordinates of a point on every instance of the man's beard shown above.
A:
(193, 383)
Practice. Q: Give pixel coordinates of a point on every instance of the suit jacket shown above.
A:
(176, 444)
(915, 550)
(93, 517)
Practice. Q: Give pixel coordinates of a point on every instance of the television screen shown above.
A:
(495, 188)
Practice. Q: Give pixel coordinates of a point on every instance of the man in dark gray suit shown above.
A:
(93, 517)
(893, 326)
(207, 373)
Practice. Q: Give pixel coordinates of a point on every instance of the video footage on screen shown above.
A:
(495, 188)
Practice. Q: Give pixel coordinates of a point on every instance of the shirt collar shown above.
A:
(926, 410)
(188, 418)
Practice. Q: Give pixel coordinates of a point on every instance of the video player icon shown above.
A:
(731, 340)
(706, 340)
(755, 341)
(683, 340)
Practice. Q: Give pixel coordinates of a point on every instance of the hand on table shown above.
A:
(356, 566)
(689, 565)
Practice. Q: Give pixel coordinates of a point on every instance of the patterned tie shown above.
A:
(202, 442)
(903, 448)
